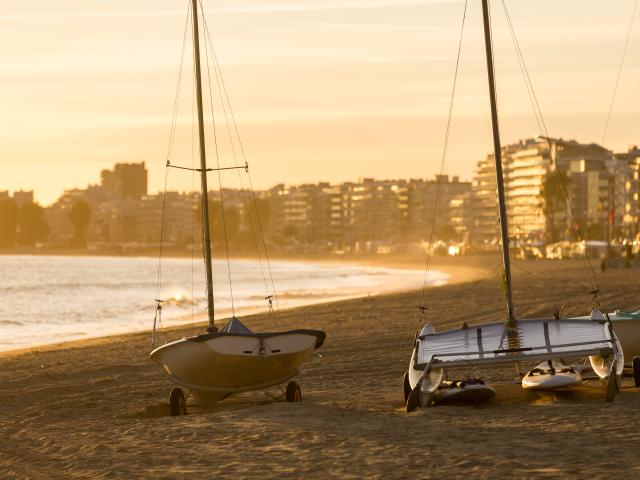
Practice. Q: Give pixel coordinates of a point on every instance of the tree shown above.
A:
(105, 232)
(222, 229)
(447, 233)
(8, 222)
(290, 232)
(32, 227)
(253, 225)
(129, 227)
(554, 200)
(261, 220)
(80, 216)
(225, 228)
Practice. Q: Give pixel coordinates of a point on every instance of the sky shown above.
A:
(323, 90)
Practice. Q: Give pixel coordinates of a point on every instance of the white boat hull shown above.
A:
(214, 366)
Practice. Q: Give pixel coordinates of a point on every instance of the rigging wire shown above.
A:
(172, 132)
(217, 156)
(243, 189)
(615, 89)
(244, 157)
(443, 160)
(176, 100)
(158, 300)
(552, 153)
(525, 73)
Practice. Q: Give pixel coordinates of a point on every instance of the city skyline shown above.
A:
(311, 84)
(600, 200)
(98, 178)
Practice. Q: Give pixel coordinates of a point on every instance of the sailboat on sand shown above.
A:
(217, 363)
(513, 340)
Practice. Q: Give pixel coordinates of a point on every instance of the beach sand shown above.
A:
(98, 408)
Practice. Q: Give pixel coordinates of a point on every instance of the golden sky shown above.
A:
(322, 89)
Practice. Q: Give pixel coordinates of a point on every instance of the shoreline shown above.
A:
(457, 264)
(456, 274)
(415, 261)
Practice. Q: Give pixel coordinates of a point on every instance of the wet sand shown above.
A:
(98, 408)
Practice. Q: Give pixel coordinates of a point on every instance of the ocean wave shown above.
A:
(306, 294)
(181, 301)
(10, 322)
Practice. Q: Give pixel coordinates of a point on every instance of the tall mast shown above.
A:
(203, 165)
(497, 150)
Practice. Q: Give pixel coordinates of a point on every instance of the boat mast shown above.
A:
(504, 231)
(203, 166)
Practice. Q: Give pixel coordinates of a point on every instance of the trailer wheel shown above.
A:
(611, 388)
(406, 386)
(177, 402)
(413, 400)
(293, 393)
(636, 371)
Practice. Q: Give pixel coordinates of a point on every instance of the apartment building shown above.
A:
(596, 182)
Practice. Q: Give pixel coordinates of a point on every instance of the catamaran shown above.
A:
(513, 340)
(221, 362)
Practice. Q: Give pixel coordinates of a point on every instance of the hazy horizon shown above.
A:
(322, 90)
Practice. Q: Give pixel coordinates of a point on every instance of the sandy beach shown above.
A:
(98, 408)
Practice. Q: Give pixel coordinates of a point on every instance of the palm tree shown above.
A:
(554, 193)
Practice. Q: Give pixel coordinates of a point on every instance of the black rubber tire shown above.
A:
(293, 393)
(413, 400)
(406, 386)
(177, 402)
(611, 388)
(636, 371)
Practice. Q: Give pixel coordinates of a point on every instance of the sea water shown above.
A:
(50, 299)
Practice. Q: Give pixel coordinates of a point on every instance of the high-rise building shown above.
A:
(631, 196)
(369, 215)
(484, 226)
(428, 198)
(586, 180)
(125, 180)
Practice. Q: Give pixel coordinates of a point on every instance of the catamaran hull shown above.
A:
(213, 366)
(627, 329)
(628, 332)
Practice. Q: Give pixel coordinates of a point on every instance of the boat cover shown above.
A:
(236, 326)
(523, 340)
